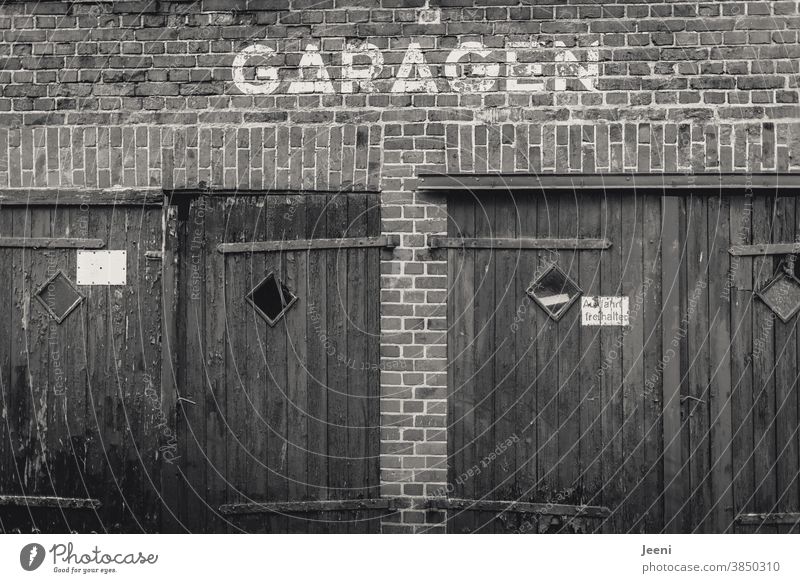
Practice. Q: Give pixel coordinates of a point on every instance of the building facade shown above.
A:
(172, 129)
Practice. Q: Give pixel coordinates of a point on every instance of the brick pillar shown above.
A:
(413, 353)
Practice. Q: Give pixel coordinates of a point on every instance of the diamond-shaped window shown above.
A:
(59, 296)
(554, 291)
(271, 299)
(782, 295)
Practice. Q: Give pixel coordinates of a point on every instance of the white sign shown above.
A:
(604, 311)
(102, 268)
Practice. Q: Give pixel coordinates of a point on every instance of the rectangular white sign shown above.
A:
(102, 268)
(604, 311)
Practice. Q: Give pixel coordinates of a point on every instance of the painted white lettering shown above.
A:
(414, 59)
(267, 76)
(568, 65)
(468, 68)
(519, 76)
(311, 61)
(484, 74)
(360, 76)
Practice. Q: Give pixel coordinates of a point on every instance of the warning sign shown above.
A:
(604, 311)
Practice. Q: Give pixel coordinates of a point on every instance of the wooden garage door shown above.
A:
(278, 412)
(80, 416)
(682, 418)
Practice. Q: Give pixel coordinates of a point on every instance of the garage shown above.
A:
(81, 362)
(278, 431)
(622, 347)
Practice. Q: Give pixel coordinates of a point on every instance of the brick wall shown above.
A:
(159, 94)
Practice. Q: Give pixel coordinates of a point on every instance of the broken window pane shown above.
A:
(554, 291)
(782, 295)
(58, 296)
(271, 298)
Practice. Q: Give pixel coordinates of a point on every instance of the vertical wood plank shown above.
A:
(671, 376)
(65, 388)
(786, 418)
(719, 326)
(796, 390)
(358, 392)
(485, 356)
(741, 356)
(21, 436)
(171, 348)
(764, 322)
(246, 437)
(610, 376)
(646, 305)
(548, 486)
(316, 367)
(526, 411)
(294, 326)
(338, 480)
(679, 339)
(8, 477)
(373, 357)
(41, 398)
(218, 422)
(272, 403)
(696, 403)
(98, 407)
(72, 417)
(19, 389)
(154, 426)
(461, 359)
(503, 467)
(191, 379)
(633, 365)
(590, 478)
(36, 348)
(569, 352)
(127, 375)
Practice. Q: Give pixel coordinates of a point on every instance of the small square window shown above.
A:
(554, 291)
(271, 299)
(58, 296)
(782, 295)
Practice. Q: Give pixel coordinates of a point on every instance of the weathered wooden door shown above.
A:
(80, 418)
(276, 362)
(636, 375)
(764, 429)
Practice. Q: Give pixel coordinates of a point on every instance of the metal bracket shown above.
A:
(386, 241)
(541, 508)
(51, 243)
(438, 242)
(769, 519)
(303, 506)
(765, 249)
(50, 502)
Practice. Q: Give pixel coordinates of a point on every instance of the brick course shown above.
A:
(142, 94)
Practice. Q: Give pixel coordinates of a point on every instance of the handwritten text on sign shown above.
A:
(522, 66)
(604, 311)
